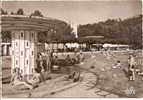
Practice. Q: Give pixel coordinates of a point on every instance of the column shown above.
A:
(5, 50)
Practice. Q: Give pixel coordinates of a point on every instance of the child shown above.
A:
(117, 65)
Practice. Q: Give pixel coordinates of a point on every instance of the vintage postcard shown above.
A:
(71, 49)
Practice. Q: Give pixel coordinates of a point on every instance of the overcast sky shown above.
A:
(81, 12)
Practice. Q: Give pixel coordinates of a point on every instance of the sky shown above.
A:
(78, 12)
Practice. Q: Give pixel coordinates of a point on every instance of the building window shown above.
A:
(21, 53)
(27, 44)
(27, 62)
(32, 35)
(16, 44)
(32, 53)
(22, 34)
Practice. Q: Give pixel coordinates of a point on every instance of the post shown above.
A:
(24, 48)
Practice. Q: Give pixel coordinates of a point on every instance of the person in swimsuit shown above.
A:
(36, 79)
(131, 67)
(16, 79)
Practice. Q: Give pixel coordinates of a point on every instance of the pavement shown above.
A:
(101, 81)
(85, 88)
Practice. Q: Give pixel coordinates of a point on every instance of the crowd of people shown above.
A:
(46, 62)
(17, 79)
(40, 74)
(131, 71)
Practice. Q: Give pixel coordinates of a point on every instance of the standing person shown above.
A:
(40, 66)
(55, 62)
(131, 67)
(49, 60)
(81, 57)
(68, 59)
(39, 62)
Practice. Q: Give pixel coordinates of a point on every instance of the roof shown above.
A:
(22, 22)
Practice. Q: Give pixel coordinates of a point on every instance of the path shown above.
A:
(86, 88)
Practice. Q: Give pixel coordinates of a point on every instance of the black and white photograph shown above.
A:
(71, 49)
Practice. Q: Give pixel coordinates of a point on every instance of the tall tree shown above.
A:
(3, 12)
(127, 31)
(12, 13)
(20, 11)
(37, 13)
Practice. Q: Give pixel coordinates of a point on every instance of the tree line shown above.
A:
(127, 31)
(20, 11)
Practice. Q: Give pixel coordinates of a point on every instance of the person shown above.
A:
(81, 57)
(36, 78)
(131, 67)
(117, 65)
(16, 79)
(44, 62)
(68, 59)
(49, 60)
(74, 76)
(41, 66)
(55, 60)
(39, 62)
(55, 63)
(73, 61)
(77, 58)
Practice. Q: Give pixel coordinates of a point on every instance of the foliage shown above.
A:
(60, 33)
(127, 31)
(6, 36)
(37, 13)
(12, 13)
(20, 12)
(3, 12)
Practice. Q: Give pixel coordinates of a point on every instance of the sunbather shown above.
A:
(35, 80)
(117, 65)
(75, 75)
(16, 79)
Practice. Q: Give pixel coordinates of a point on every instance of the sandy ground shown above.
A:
(106, 82)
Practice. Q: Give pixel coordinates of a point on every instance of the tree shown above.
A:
(127, 31)
(42, 36)
(37, 13)
(6, 36)
(3, 12)
(12, 13)
(20, 12)
(60, 32)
